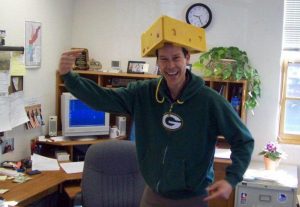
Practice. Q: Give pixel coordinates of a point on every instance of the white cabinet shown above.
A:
(265, 188)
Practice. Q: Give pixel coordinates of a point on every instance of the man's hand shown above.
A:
(219, 189)
(67, 60)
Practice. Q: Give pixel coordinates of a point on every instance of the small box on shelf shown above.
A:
(62, 156)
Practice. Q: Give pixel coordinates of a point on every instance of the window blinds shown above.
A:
(291, 27)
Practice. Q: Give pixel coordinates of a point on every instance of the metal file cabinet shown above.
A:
(262, 188)
(262, 194)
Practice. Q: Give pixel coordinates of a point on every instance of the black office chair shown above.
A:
(111, 177)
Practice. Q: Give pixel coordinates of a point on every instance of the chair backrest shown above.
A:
(111, 177)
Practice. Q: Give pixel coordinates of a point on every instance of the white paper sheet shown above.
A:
(17, 109)
(4, 114)
(10, 203)
(4, 83)
(44, 163)
(72, 167)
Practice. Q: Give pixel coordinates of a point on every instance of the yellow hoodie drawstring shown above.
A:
(179, 102)
(156, 92)
(163, 98)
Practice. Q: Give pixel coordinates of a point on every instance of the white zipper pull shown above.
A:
(171, 107)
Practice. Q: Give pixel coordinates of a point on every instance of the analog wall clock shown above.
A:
(199, 15)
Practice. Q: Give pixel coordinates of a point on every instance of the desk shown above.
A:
(38, 187)
(68, 145)
(220, 165)
(49, 182)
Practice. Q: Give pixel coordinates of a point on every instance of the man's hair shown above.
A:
(185, 52)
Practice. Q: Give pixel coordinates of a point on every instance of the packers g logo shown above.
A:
(172, 121)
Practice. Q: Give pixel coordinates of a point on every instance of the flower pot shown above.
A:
(271, 164)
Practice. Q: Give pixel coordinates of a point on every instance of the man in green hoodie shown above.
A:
(177, 121)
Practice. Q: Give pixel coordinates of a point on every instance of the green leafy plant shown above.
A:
(233, 64)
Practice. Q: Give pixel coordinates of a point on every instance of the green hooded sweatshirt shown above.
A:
(175, 140)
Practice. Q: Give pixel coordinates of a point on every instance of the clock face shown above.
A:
(199, 15)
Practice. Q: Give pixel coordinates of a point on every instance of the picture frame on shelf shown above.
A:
(156, 70)
(136, 67)
(82, 61)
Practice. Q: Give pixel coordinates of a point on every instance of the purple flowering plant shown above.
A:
(272, 151)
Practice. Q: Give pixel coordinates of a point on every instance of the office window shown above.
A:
(289, 125)
(289, 131)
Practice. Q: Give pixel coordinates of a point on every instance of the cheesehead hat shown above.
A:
(168, 30)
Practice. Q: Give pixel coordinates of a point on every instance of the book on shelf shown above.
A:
(121, 82)
(221, 90)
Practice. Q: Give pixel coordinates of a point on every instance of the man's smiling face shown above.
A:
(172, 64)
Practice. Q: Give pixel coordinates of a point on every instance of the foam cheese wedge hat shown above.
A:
(168, 30)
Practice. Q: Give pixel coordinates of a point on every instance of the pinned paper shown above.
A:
(18, 115)
(4, 61)
(17, 64)
(7, 145)
(4, 83)
(35, 118)
(12, 111)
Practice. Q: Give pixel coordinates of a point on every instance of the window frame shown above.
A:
(282, 136)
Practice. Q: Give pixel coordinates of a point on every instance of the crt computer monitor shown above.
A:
(78, 119)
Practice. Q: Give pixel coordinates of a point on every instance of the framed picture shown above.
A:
(33, 44)
(136, 66)
(156, 70)
(16, 84)
(82, 61)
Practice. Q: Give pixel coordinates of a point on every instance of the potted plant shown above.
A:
(231, 63)
(272, 155)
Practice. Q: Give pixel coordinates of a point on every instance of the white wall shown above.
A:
(39, 84)
(111, 31)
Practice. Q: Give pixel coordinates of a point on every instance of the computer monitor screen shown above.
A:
(78, 119)
(81, 115)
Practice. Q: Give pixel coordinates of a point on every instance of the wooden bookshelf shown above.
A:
(225, 87)
(104, 79)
